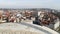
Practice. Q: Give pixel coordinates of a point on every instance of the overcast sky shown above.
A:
(55, 4)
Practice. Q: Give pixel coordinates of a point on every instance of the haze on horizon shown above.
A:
(54, 4)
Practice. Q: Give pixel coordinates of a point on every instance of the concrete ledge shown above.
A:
(38, 29)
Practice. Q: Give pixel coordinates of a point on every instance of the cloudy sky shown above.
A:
(55, 4)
